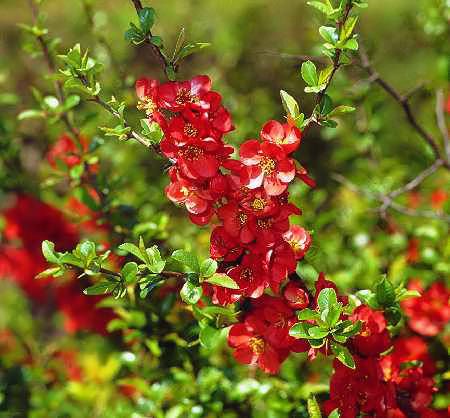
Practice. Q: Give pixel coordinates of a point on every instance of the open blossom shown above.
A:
(429, 313)
(266, 164)
(374, 337)
(263, 337)
(286, 136)
(65, 150)
(299, 239)
(296, 297)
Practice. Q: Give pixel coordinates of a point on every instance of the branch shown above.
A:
(441, 122)
(387, 201)
(52, 69)
(167, 274)
(403, 101)
(155, 50)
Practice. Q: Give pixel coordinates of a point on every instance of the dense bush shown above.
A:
(254, 226)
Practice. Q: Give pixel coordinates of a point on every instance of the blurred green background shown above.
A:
(254, 52)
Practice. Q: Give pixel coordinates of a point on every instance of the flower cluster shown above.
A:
(398, 384)
(247, 199)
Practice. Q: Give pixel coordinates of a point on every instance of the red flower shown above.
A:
(281, 262)
(429, 313)
(295, 296)
(252, 347)
(299, 239)
(190, 94)
(286, 136)
(374, 337)
(438, 199)
(147, 92)
(250, 276)
(66, 151)
(236, 222)
(224, 246)
(266, 164)
(361, 390)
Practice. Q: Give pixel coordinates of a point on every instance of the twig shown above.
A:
(155, 50)
(167, 274)
(52, 69)
(387, 201)
(440, 117)
(296, 57)
(403, 102)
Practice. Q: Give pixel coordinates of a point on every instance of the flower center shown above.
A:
(257, 345)
(192, 153)
(190, 130)
(246, 274)
(147, 105)
(265, 223)
(243, 217)
(184, 96)
(258, 204)
(267, 165)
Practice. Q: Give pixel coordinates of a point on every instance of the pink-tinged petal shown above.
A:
(202, 219)
(249, 152)
(269, 361)
(176, 192)
(145, 87)
(210, 144)
(195, 205)
(252, 177)
(286, 170)
(245, 355)
(238, 335)
(272, 131)
(200, 84)
(292, 138)
(273, 186)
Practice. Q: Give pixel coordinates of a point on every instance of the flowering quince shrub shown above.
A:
(145, 326)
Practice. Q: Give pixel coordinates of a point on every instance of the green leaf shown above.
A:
(71, 101)
(209, 336)
(309, 73)
(156, 264)
(71, 259)
(129, 272)
(221, 279)
(208, 267)
(368, 298)
(339, 110)
(290, 105)
(317, 343)
(343, 355)
(190, 293)
(300, 330)
(49, 272)
(100, 288)
(190, 49)
(334, 413)
(351, 44)
(187, 259)
(307, 314)
(327, 298)
(313, 408)
(407, 294)
(385, 293)
(324, 8)
(329, 34)
(332, 314)
(347, 30)
(317, 332)
(146, 18)
(325, 74)
(133, 249)
(157, 41)
(31, 113)
(48, 251)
